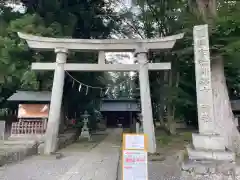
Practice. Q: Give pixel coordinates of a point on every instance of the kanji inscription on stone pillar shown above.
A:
(203, 80)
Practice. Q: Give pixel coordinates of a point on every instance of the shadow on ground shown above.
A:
(83, 145)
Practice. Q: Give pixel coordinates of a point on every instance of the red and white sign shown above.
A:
(135, 165)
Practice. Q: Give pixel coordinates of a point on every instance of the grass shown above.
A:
(186, 136)
(163, 139)
(171, 145)
(168, 145)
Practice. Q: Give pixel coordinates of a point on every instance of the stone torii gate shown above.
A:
(61, 47)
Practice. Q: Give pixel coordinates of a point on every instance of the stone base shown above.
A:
(208, 170)
(202, 154)
(29, 137)
(85, 134)
(205, 141)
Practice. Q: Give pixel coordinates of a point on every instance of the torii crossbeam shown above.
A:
(61, 46)
(101, 67)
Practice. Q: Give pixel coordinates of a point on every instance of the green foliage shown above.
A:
(225, 40)
(73, 19)
(15, 57)
(162, 18)
(96, 19)
(164, 140)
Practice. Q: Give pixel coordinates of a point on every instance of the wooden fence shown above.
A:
(31, 128)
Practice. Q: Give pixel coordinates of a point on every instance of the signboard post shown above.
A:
(134, 157)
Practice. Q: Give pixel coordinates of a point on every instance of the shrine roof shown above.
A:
(120, 104)
(28, 96)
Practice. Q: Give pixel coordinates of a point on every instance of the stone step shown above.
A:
(202, 154)
(187, 165)
(16, 152)
(26, 137)
(17, 142)
(208, 142)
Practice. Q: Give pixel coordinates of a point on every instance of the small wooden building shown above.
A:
(120, 111)
(33, 108)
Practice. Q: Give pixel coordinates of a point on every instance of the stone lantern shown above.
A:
(85, 130)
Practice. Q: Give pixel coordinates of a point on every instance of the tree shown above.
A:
(175, 90)
(14, 56)
(74, 19)
(158, 19)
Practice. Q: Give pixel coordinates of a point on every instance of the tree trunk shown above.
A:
(170, 121)
(160, 115)
(40, 82)
(222, 108)
(170, 109)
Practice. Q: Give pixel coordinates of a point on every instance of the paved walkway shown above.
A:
(100, 163)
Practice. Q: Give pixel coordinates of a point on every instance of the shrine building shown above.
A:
(32, 113)
(121, 110)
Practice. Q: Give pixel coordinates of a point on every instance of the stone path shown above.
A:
(99, 163)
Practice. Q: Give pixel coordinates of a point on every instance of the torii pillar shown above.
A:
(51, 136)
(146, 104)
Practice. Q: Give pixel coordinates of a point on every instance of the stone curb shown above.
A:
(19, 154)
(119, 166)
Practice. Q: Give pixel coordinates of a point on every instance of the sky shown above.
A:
(127, 3)
(128, 57)
(122, 4)
(17, 7)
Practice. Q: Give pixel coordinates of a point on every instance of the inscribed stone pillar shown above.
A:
(208, 144)
(206, 120)
(146, 104)
(56, 102)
